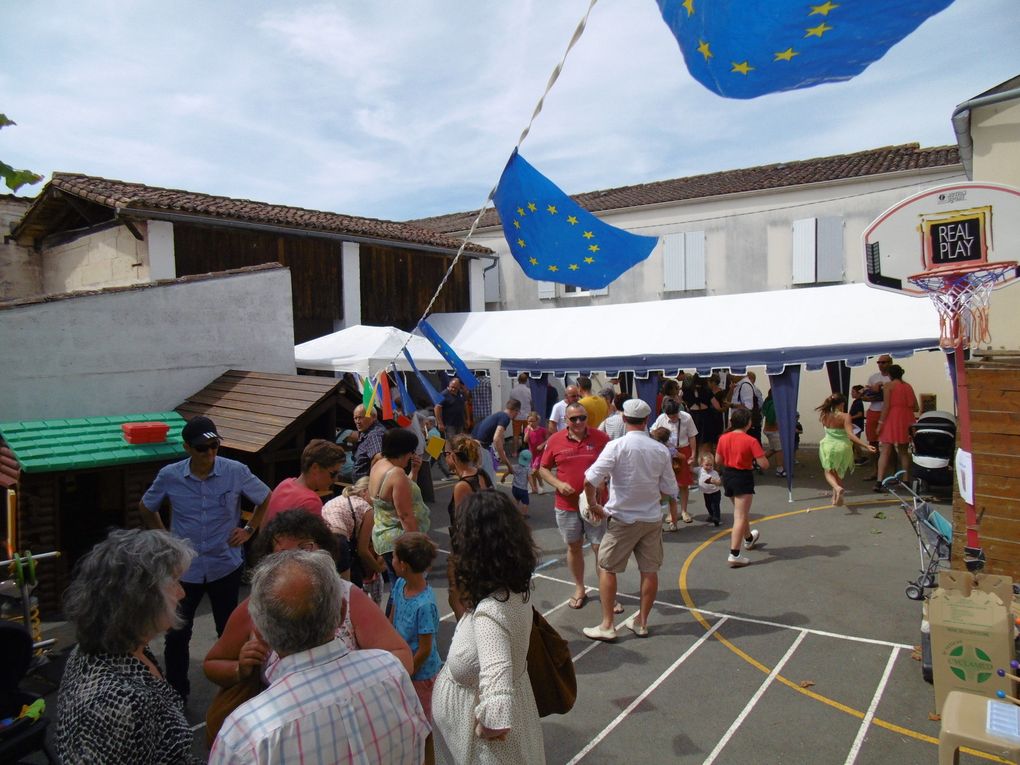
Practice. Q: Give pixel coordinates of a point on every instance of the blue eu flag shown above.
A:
(746, 48)
(447, 352)
(556, 240)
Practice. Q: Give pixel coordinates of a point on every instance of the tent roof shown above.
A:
(791, 326)
(369, 350)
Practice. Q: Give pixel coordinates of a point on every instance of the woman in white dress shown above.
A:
(482, 702)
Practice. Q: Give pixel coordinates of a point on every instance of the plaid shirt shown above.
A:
(328, 705)
(369, 445)
(481, 399)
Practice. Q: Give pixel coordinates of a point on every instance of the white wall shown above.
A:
(20, 267)
(144, 349)
(108, 258)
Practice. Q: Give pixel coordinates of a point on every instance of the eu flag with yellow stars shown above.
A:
(747, 48)
(556, 240)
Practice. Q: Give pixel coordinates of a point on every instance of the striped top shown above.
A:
(328, 705)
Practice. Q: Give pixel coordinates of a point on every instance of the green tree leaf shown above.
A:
(15, 179)
(4, 121)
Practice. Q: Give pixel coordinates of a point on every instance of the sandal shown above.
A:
(669, 526)
(577, 603)
(686, 518)
(618, 609)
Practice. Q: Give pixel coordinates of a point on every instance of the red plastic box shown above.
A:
(145, 432)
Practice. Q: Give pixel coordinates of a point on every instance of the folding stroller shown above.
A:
(932, 446)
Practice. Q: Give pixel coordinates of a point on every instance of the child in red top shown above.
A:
(737, 453)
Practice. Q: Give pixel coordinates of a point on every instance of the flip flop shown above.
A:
(577, 603)
(618, 609)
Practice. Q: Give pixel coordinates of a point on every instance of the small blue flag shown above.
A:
(465, 375)
(747, 48)
(406, 403)
(556, 240)
(433, 394)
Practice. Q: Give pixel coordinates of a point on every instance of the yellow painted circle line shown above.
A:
(689, 602)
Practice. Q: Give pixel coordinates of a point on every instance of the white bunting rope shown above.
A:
(524, 134)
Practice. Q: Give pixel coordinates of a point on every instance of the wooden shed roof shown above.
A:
(254, 411)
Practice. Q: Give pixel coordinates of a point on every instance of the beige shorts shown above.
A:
(643, 538)
(775, 445)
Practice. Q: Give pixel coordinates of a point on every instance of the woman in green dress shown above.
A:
(836, 450)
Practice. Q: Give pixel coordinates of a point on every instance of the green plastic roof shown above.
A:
(43, 446)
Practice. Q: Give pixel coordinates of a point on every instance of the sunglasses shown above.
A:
(203, 448)
(578, 418)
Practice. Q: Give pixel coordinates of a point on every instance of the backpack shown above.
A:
(550, 668)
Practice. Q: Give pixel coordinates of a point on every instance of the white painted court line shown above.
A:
(644, 694)
(750, 620)
(754, 700)
(866, 722)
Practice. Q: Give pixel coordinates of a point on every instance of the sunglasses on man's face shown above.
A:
(578, 418)
(333, 474)
(203, 448)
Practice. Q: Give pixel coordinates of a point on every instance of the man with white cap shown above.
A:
(640, 474)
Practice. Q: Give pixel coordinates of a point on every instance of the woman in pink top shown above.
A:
(898, 414)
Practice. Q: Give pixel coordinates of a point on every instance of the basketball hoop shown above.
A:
(961, 296)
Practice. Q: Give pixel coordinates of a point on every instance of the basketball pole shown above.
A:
(963, 410)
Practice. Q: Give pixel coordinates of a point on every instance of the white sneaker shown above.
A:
(754, 540)
(737, 561)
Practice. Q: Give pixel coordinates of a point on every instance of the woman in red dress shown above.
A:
(898, 414)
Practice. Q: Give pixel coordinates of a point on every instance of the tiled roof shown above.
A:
(43, 446)
(889, 159)
(137, 196)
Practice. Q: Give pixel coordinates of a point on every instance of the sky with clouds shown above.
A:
(406, 109)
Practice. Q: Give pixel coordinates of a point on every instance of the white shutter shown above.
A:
(546, 290)
(491, 280)
(829, 257)
(804, 251)
(603, 291)
(694, 260)
(673, 262)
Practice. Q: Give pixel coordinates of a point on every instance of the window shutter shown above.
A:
(830, 250)
(673, 262)
(546, 290)
(491, 281)
(603, 291)
(694, 260)
(804, 251)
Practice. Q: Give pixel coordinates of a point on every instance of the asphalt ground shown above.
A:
(805, 656)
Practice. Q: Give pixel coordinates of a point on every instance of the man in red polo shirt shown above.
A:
(572, 451)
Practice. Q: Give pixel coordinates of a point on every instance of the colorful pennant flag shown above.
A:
(406, 402)
(387, 400)
(556, 240)
(747, 48)
(459, 367)
(434, 396)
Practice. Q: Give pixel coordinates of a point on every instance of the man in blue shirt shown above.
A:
(450, 413)
(204, 493)
(491, 433)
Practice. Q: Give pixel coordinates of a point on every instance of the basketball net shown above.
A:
(961, 297)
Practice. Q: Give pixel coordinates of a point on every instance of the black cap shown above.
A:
(199, 431)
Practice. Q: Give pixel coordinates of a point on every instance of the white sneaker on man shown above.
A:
(737, 561)
(749, 544)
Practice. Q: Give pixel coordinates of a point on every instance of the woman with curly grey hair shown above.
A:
(114, 705)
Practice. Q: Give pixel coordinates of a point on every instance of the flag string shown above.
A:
(578, 31)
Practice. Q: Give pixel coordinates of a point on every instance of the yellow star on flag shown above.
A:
(589, 260)
(532, 206)
(593, 247)
(818, 31)
(551, 209)
(572, 220)
(823, 9)
(517, 224)
(520, 211)
(588, 235)
(743, 67)
(554, 269)
(533, 261)
(574, 266)
(520, 243)
(704, 50)
(689, 5)
(786, 55)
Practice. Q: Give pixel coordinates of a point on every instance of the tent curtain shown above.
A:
(839, 377)
(785, 388)
(539, 389)
(648, 389)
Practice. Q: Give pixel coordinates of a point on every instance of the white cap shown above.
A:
(635, 407)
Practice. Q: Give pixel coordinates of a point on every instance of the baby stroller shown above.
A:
(934, 534)
(932, 446)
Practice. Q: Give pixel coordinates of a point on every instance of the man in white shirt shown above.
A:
(557, 418)
(325, 703)
(748, 396)
(641, 473)
(522, 392)
(873, 394)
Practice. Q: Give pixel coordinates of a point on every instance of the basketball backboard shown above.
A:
(942, 228)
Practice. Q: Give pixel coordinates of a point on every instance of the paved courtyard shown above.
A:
(805, 656)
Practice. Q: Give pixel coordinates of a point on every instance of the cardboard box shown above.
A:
(971, 633)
